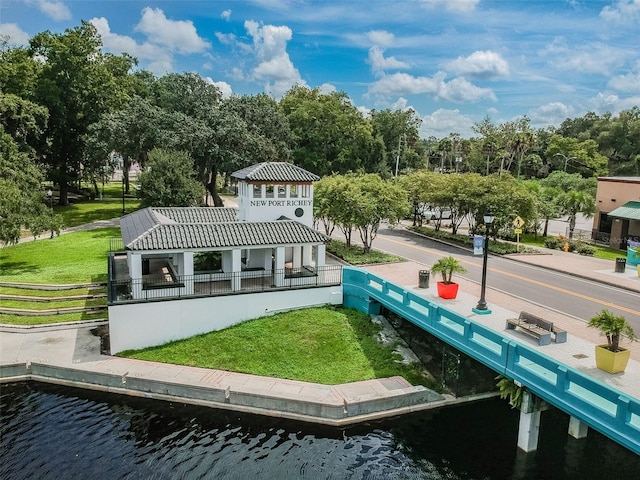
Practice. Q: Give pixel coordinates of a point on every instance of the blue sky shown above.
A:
(453, 61)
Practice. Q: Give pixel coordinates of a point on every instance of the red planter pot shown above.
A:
(447, 290)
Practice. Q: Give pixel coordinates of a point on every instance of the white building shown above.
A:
(181, 269)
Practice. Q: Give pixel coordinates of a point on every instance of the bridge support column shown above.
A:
(529, 426)
(577, 429)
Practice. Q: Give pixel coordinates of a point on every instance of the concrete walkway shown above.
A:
(71, 355)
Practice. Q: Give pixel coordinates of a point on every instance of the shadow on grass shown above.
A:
(8, 269)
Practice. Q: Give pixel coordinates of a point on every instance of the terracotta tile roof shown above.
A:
(275, 172)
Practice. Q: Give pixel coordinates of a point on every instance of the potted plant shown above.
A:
(612, 357)
(446, 267)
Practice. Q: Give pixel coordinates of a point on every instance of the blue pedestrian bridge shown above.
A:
(600, 406)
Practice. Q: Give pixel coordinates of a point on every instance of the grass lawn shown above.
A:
(89, 211)
(30, 292)
(8, 319)
(322, 345)
(605, 253)
(355, 254)
(78, 257)
(29, 305)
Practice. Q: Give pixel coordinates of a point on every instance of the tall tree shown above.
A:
(170, 181)
(77, 84)
(332, 135)
(398, 130)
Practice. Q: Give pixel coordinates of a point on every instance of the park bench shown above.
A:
(537, 327)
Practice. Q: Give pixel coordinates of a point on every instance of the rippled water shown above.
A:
(50, 432)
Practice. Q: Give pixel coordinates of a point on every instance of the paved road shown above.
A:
(576, 297)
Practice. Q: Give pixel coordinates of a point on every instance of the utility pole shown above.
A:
(398, 155)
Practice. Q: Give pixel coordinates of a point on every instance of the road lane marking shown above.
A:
(520, 277)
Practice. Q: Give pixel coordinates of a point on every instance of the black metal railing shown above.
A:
(159, 287)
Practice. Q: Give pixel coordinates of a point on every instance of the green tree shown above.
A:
(398, 131)
(577, 195)
(170, 181)
(22, 201)
(331, 134)
(77, 83)
(374, 200)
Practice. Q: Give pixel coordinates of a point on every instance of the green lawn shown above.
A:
(355, 254)
(323, 345)
(29, 305)
(8, 319)
(79, 257)
(31, 292)
(90, 211)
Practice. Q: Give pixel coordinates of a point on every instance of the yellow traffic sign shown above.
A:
(517, 231)
(518, 222)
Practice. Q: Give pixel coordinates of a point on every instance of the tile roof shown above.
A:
(180, 229)
(275, 172)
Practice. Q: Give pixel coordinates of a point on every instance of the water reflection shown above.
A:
(54, 432)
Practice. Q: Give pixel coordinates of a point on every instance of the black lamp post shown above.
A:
(482, 308)
(50, 198)
(123, 209)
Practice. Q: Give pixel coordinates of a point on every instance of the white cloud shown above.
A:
(226, 38)
(178, 35)
(16, 35)
(327, 88)
(379, 63)
(380, 37)
(224, 87)
(604, 102)
(161, 59)
(56, 10)
(591, 58)
(442, 122)
(226, 15)
(629, 82)
(457, 90)
(274, 65)
(480, 64)
(550, 114)
(461, 6)
(623, 11)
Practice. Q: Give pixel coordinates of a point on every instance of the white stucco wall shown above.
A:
(140, 325)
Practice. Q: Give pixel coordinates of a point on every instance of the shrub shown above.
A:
(585, 249)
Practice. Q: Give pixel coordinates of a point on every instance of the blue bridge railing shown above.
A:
(597, 404)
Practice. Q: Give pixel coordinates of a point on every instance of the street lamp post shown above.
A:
(50, 198)
(482, 308)
(566, 159)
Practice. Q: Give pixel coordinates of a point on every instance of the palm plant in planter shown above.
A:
(612, 357)
(446, 267)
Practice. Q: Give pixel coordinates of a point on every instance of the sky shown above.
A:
(454, 62)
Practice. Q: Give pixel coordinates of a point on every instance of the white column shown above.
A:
(297, 257)
(185, 269)
(577, 429)
(236, 268)
(528, 431)
(320, 258)
(279, 267)
(321, 254)
(135, 272)
(307, 250)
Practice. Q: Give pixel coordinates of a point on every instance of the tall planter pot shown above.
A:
(447, 291)
(612, 362)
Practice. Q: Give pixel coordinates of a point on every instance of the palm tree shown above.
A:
(574, 202)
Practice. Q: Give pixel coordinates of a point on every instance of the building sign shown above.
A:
(280, 203)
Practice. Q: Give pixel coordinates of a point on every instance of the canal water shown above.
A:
(52, 432)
